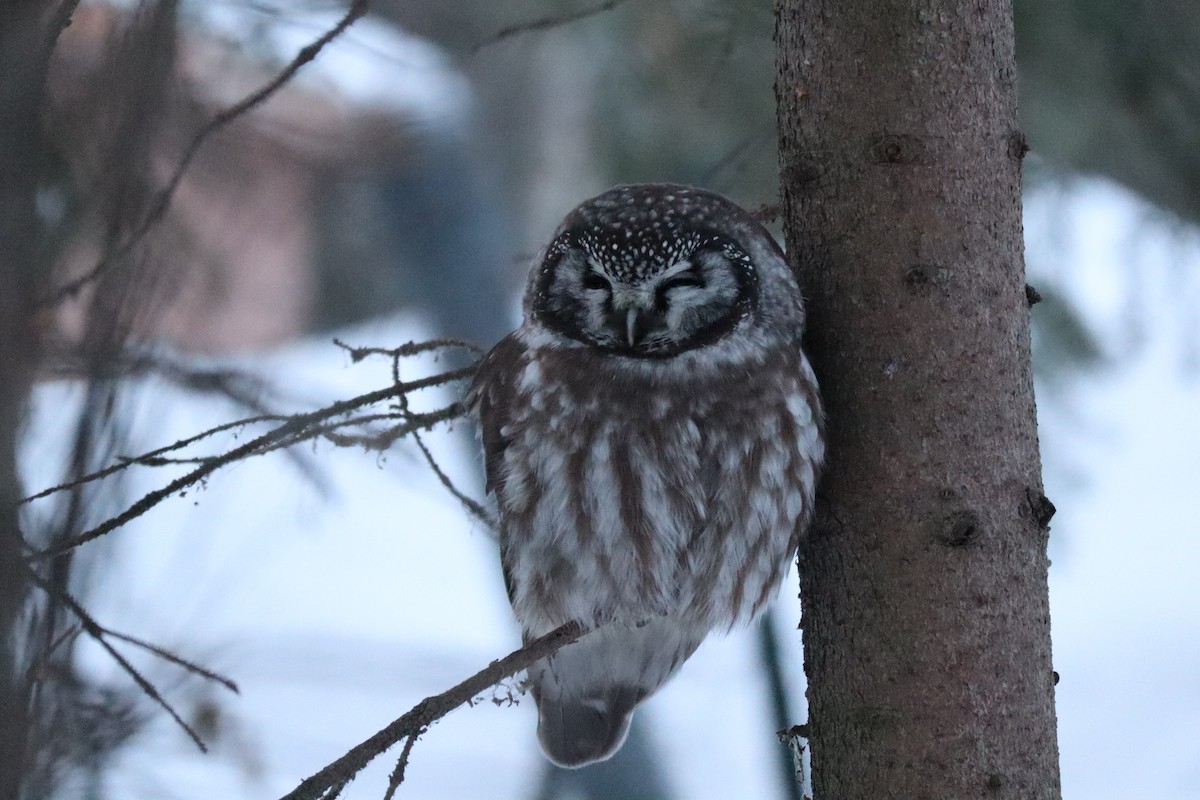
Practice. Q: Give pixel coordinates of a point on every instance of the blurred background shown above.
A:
(396, 189)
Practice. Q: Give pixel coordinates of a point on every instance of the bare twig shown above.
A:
(474, 507)
(177, 660)
(99, 633)
(93, 628)
(409, 349)
(41, 667)
(545, 23)
(243, 388)
(150, 458)
(162, 201)
(294, 428)
(397, 776)
(371, 439)
(240, 387)
(343, 423)
(410, 725)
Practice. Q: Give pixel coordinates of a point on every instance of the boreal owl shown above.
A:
(652, 433)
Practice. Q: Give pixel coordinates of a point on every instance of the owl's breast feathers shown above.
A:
(628, 493)
(491, 397)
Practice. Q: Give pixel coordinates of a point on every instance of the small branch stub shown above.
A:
(1032, 296)
(328, 781)
(1042, 509)
(796, 740)
(1018, 147)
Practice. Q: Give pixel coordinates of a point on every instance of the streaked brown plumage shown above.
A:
(652, 434)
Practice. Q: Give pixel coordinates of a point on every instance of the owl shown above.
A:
(652, 434)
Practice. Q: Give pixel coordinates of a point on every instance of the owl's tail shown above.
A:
(587, 691)
(576, 731)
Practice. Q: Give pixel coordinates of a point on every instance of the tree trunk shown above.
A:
(926, 613)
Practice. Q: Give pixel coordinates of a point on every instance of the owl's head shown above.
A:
(650, 271)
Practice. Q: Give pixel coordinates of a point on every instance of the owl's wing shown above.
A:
(491, 395)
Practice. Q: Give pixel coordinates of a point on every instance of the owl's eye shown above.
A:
(594, 280)
(688, 278)
(683, 279)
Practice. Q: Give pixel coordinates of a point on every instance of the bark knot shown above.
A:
(1017, 145)
(898, 148)
(921, 279)
(801, 171)
(1041, 508)
(959, 529)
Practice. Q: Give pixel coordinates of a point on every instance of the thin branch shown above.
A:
(397, 776)
(177, 660)
(294, 428)
(39, 668)
(98, 633)
(163, 461)
(93, 628)
(409, 349)
(544, 23)
(378, 440)
(769, 657)
(147, 459)
(328, 423)
(428, 711)
(222, 118)
(242, 387)
(473, 506)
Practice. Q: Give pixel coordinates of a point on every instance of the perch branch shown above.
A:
(409, 726)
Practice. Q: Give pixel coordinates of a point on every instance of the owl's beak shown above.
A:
(634, 309)
(632, 333)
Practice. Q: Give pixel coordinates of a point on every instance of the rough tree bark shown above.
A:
(926, 615)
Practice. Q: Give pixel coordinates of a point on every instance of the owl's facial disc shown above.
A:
(643, 302)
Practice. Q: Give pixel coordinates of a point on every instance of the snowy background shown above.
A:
(337, 605)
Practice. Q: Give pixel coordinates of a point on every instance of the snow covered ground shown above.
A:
(337, 609)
